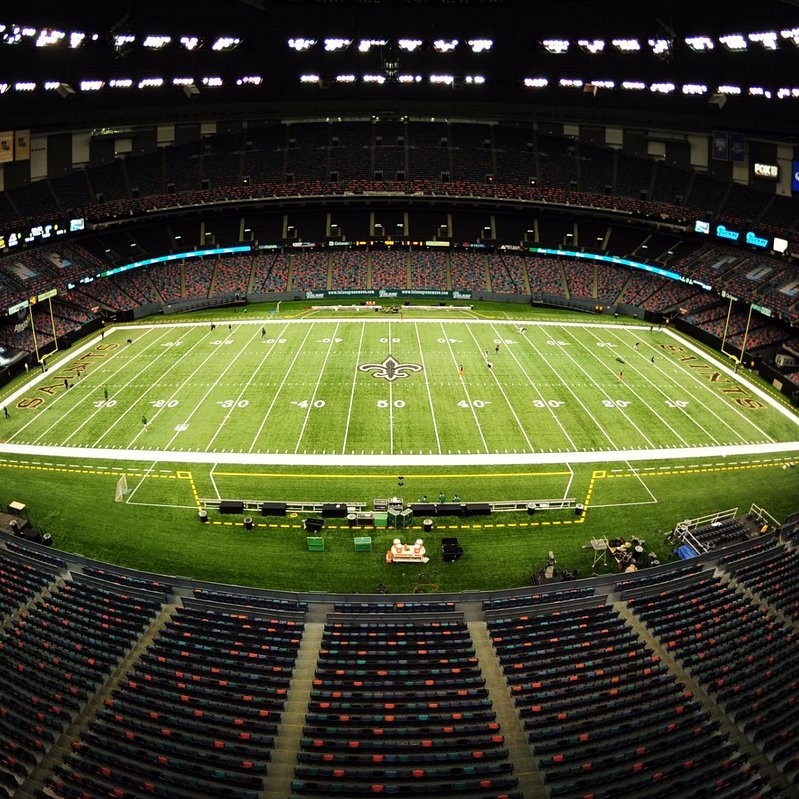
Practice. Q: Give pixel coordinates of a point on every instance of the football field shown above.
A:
(394, 387)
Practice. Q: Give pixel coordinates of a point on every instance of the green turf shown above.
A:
(389, 387)
(265, 394)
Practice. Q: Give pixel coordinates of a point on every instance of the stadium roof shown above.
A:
(616, 62)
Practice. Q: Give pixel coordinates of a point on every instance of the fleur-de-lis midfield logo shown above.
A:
(391, 369)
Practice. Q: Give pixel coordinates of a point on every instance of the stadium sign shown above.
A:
(388, 294)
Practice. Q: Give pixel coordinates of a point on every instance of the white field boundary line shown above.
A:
(473, 459)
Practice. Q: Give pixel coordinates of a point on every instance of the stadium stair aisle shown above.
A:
(62, 746)
(287, 741)
(776, 779)
(520, 755)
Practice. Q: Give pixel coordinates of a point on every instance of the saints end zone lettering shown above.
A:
(713, 375)
(70, 372)
(27, 403)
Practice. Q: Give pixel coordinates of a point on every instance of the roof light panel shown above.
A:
(301, 45)
(336, 45)
(48, 37)
(365, 45)
(662, 87)
(626, 45)
(593, 46)
(556, 46)
(768, 39)
(480, 45)
(409, 45)
(225, 43)
(694, 89)
(699, 43)
(156, 42)
(660, 47)
(734, 41)
(445, 45)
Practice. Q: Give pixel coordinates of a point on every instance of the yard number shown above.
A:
(306, 404)
(676, 403)
(233, 403)
(473, 403)
(539, 403)
(608, 403)
(386, 403)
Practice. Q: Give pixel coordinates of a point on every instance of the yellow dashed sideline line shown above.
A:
(598, 474)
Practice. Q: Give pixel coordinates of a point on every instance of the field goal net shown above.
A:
(122, 489)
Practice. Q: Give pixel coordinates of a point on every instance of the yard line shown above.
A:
(465, 390)
(643, 484)
(599, 426)
(506, 397)
(280, 388)
(427, 386)
(198, 405)
(569, 482)
(246, 386)
(352, 390)
(390, 401)
(87, 397)
(636, 394)
(538, 391)
(643, 435)
(147, 366)
(316, 387)
(138, 485)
